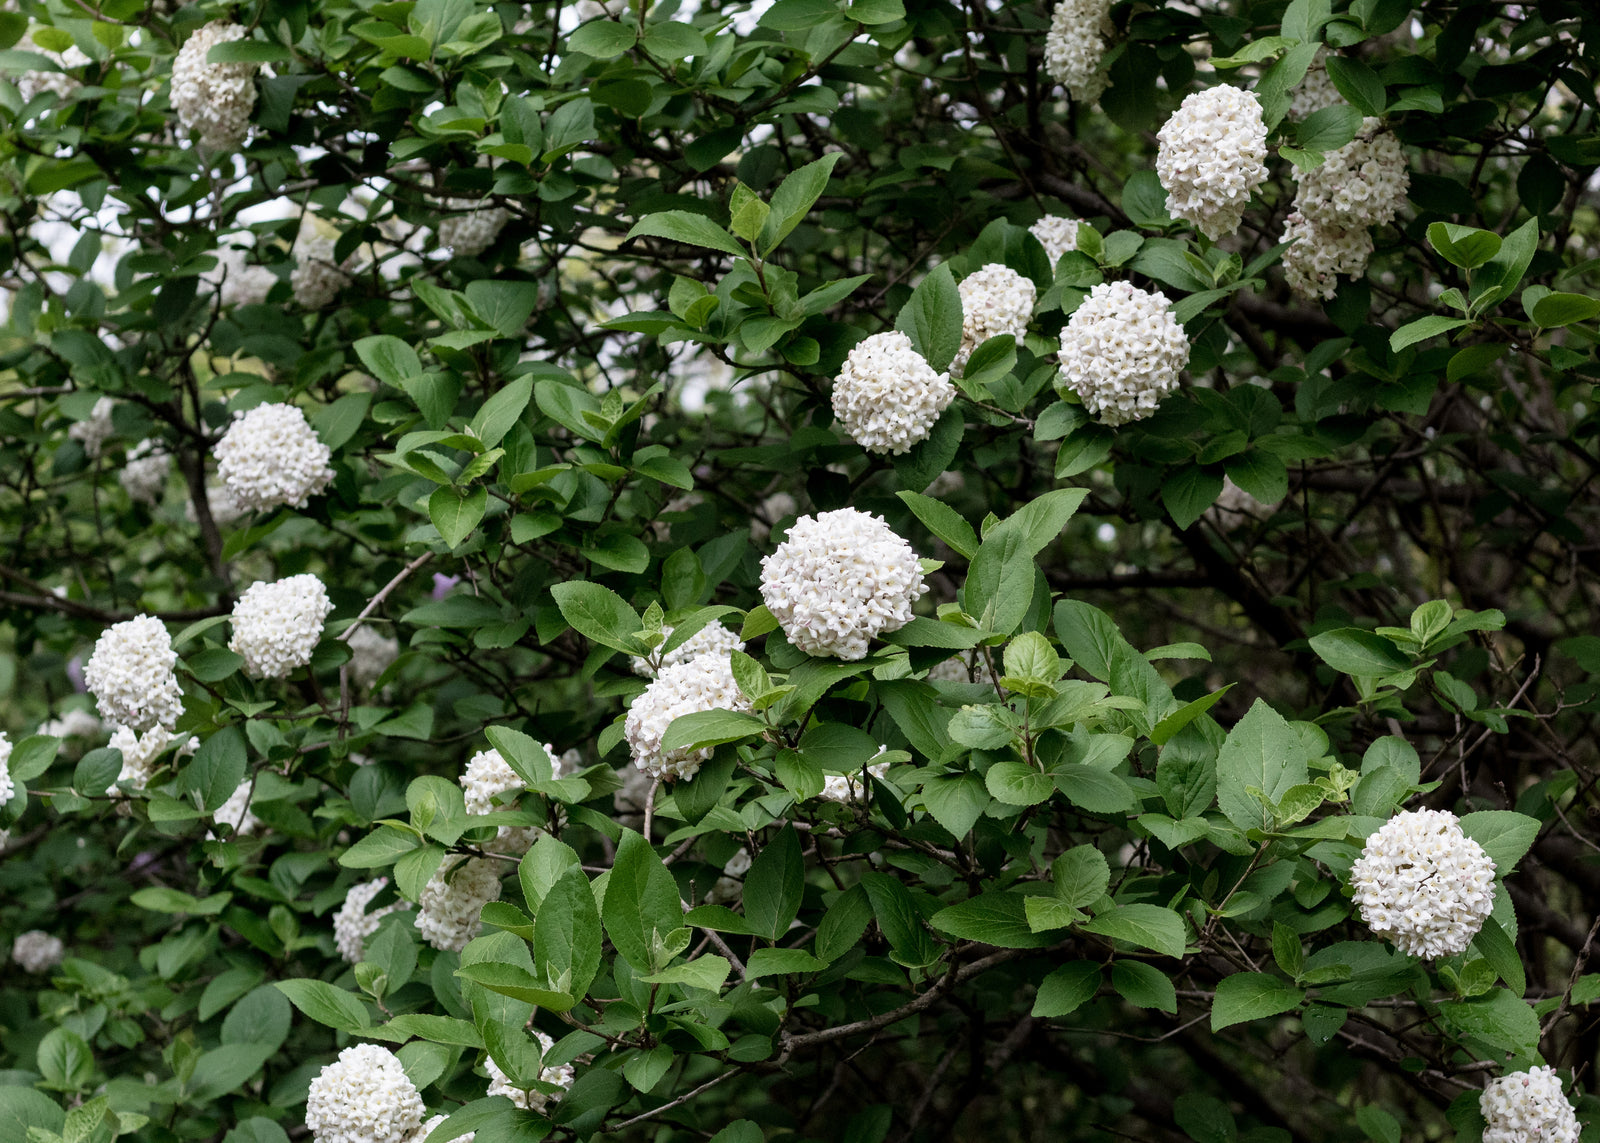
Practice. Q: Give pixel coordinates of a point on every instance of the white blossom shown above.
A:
(703, 683)
(363, 1097)
(1319, 254)
(32, 84)
(316, 278)
(473, 231)
(713, 638)
(131, 674)
(489, 776)
(887, 396)
(352, 924)
(1315, 91)
(239, 281)
(144, 473)
(1121, 352)
(839, 580)
(225, 507)
(1361, 184)
(449, 911)
(561, 1075)
(1423, 884)
(421, 1134)
(214, 100)
(1057, 235)
(1211, 156)
(371, 653)
(73, 723)
(994, 300)
(849, 787)
(730, 885)
(139, 754)
(7, 784)
(37, 951)
(276, 626)
(272, 456)
(96, 430)
(235, 812)
(1075, 44)
(1528, 1107)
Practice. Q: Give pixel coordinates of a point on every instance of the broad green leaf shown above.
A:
(774, 885)
(326, 1004)
(1148, 926)
(689, 229)
(1244, 996)
(641, 902)
(1261, 751)
(794, 197)
(931, 318)
(994, 918)
(600, 615)
(1066, 989)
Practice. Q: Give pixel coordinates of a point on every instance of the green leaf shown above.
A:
(1144, 200)
(1017, 784)
(901, 921)
(1504, 835)
(456, 513)
(603, 39)
(501, 411)
(1080, 875)
(844, 923)
(1329, 128)
(1094, 790)
(1144, 985)
(1066, 989)
(1260, 473)
(943, 521)
(956, 801)
(1188, 492)
(795, 197)
(1501, 953)
(641, 902)
(1422, 329)
(1352, 651)
(1184, 715)
(566, 935)
(22, 1107)
(217, 770)
(645, 1069)
(708, 972)
(1246, 996)
(689, 229)
(774, 885)
(1498, 1019)
(995, 918)
(388, 359)
(64, 1059)
(782, 962)
(1261, 751)
(931, 318)
(1358, 83)
(326, 1004)
(703, 728)
(1555, 310)
(600, 615)
(1464, 246)
(383, 846)
(1148, 926)
(517, 983)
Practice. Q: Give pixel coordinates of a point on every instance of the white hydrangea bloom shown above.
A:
(94, 432)
(235, 812)
(1363, 183)
(849, 787)
(32, 84)
(271, 456)
(713, 638)
(1121, 352)
(276, 626)
(225, 507)
(994, 300)
(240, 282)
(422, 1133)
(1423, 884)
(561, 1075)
(1212, 156)
(1528, 1107)
(887, 396)
(144, 473)
(1075, 44)
(37, 951)
(352, 924)
(1056, 234)
(316, 278)
(470, 233)
(7, 785)
(840, 579)
(363, 1097)
(139, 754)
(1320, 254)
(214, 100)
(449, 911)
(371, 653)
(131, 674)
(703, 683)
(1315, 91)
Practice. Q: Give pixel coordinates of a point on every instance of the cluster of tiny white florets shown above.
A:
(887, 396)
(131, 674)
(703, 683)
(994, 300)
(37, 951)
(139, 754)
(73, 723)
(730, 886)
(271, 456)
(489, 776)
(7, 785)
(449, 910)
(1075, 45)
(472, 232)
(316, 277)
(1363, 183)
(1319, 254)
(848, 787)
(225, 507)
(712, 639)
(144, 474)
(371, 653)
(1423, 883)
(235, 812)
(561, 1075)
(240, 282)
(840, 579)
(352, 924)
(214, 100)
(1528, 1107)
(32, 84)
(94, 432)
(276, 626)
(421, 1134)
(1315, 91)
(956, 669)
(1121, 352)
(363, 1097)
(1056, 234)
(1212, 156)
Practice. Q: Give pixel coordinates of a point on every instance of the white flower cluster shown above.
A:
(472, 232)
(1121, 352)
(1363, 183)
(213, 99)
(73, 723)
(1056, 234)
(1528, 1107)
(371, 653)
(449, 910)
(276, 626)
(139, 754)
(316, 279)
(235, 812)
(956, 669)
(240, 282)
(225, 507)
(1315, 91)
(887, 396)
(840, 579)
(144, 474)
(488, 776)
(94, 432)
(352, 924)
(849, 787)
(7, 785)
(1212, 156)
(561, 1075)
(703, 683)
(421, 1134)
(1423, 883)
(1075, 45)
(712, 639)
(131, 674)
(32, 84)
(994, 300)
(271, 455)
(37, 951)
(1319, 254)
(730, 886)
(363, 1097)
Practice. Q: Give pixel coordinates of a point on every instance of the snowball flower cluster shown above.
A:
(712, 639)
(352, 924)
(214, 100)
(449, 910)
(225, 507)
(1528, 1107)
(316, 279)
(139, 754)
(73, 723)
(849, 787)
(1121, 352)
(887, 396)
(276, 626)
(271, 456)
(1075, 45)
(1363, 183)
(840, 579)
(32, 84)
(471, 233)
(489, 776)
(1315, 91)
(561, 1075)
(144, 475)
(363, 1097)
(371, 654)
(1423, 883)
(1212, 156)
(703, 683)
(1056, 234)
(235, 812)
(994, 300)
(7, 786)
(94, 432)
(240, 282)
(131, 674)
(1320, 254)
(37, 951)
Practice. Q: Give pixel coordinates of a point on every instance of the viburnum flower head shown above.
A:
(1121, 352)
(840, 579)
(1363, 183)
(1211, 156)
(352, 924)
(371, 653)
(139, 754)
(1075, 45)
(703, 683)
(473, 231)
(239, 281)
(848, 787)
(276, 626)
(363, 1097)
(994, 300)
(144, 473)
(131, 674)
(316, 278)
(1528, 1107)
(1320, 254)
(449, 910)
(1423, 883)
(7, 785)
(712, 639)
(32, 84)
(235, 812)
(212, 99)
(37, 951)
(887, 396)
(96, 430)
(489, 776)
(561, 1075)
(271, 456)
(1056, 234)
(1316, 91)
